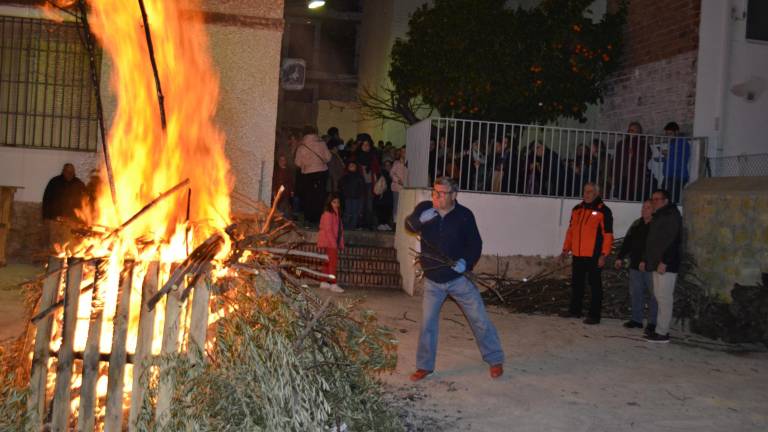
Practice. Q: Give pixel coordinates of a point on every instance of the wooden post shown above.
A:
(6, 202)
(60, 417)
(85, 419)
(39, 374)
(143, 342)
(117, 358)
(173, 307)
(198, 324)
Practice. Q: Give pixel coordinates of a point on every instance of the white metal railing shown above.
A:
(550, 161)
(738, 166)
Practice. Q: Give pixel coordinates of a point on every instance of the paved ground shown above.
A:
(11, 306)
(562, 375)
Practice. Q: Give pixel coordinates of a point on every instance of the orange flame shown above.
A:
(146, 159)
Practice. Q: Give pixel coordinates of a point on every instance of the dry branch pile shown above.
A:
(278, 357)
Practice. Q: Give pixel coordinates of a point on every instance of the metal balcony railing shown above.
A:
(550, 161)
(753, 165)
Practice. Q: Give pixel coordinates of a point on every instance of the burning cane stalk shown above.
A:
(90, 46)
(272, 210)
(160, 97)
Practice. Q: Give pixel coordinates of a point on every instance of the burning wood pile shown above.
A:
(251, 348)
(166, 312)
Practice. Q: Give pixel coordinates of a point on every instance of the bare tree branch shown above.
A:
(388, 104)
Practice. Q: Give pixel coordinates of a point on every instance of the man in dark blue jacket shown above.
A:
(450, 246)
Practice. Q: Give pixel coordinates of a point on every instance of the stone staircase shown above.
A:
(368, 261)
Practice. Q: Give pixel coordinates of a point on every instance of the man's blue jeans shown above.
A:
(468, 297)
(640, 288)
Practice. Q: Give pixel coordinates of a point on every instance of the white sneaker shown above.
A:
(335, 288)
(325, 285)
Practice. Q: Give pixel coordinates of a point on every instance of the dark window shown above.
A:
(46, 96)
(757, 20)
(337, 47)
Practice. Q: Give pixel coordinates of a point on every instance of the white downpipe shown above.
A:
(726, 9)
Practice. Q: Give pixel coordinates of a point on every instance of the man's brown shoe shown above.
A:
(419, 375)
(497, 370)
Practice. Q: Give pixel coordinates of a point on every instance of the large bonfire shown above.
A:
(273, 357)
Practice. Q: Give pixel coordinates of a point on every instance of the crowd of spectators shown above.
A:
(367, 176)
(633, 166)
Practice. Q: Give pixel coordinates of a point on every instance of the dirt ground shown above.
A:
(11, 306)
(560, 375)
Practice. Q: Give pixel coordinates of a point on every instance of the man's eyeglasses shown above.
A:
(441, 193)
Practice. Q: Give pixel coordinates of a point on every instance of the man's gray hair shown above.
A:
(447, 181)
(594, 185)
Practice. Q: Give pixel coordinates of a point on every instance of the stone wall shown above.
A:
(28, 238)
(726, 222)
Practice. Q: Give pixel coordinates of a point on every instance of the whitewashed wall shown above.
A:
(733, 124)
(31, 169)
(247, 60)
(509, 224)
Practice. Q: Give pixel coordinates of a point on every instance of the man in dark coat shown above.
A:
(448, 230)
(662, 257)
(63, 195)
(640, 282)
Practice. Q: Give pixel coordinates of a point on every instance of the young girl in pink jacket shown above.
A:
(330, 238)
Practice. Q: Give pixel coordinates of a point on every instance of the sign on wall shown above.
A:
(293, 73)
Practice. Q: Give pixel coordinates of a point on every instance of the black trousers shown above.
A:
(586, 268)
(313, 195)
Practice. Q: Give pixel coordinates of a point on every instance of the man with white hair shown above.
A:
(589, 240)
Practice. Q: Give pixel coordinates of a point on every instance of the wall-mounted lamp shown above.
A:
(314, 4)
(750, 89)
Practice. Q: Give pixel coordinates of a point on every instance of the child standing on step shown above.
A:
(330, 239)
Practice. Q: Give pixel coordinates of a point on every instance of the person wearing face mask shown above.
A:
(448, 230)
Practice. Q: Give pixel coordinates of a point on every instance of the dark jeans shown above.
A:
(369, 217)
(586, 267)
(313, 195)
(352, 208)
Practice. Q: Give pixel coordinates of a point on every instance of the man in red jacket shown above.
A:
(589, 239)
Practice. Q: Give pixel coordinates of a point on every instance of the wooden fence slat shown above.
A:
(85, 418)
(173, 308)
(198, 324)
(143, 342)
(117, 358)
(41, 353)
(61, 397)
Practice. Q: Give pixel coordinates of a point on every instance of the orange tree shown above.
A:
(481, 59)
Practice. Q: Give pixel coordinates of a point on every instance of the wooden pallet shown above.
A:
(53, 403)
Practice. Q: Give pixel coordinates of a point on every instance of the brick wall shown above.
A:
(660, 29)
(656, 82)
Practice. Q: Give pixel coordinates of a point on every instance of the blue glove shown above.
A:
(427, 215)
(460, 266)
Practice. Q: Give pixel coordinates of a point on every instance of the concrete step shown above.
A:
(360, 267)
